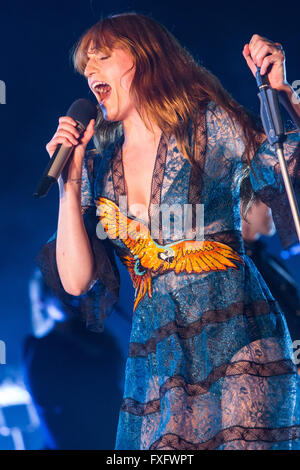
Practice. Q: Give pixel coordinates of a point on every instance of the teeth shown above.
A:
(102, 90)
(98, 83)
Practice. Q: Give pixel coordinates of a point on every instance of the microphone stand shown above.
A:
(272, 123)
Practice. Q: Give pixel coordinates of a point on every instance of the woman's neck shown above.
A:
(136, 133)
(250, 234)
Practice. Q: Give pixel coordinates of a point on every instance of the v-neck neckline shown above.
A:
(120, 185)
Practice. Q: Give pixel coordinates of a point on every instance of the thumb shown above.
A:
(247, 56)
(89, 132)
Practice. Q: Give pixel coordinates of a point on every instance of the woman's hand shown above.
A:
(270, 57)
(68, 135)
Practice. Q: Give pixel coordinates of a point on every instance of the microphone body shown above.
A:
(269, 111)
(82, 111)
(273, 126)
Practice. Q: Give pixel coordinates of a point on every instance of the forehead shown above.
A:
(95, 49)
(117, 51)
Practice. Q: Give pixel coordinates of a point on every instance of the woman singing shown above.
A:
(210, 363)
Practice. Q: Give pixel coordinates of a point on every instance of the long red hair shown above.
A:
(168, 87)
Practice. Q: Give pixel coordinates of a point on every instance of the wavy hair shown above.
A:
(168, 88)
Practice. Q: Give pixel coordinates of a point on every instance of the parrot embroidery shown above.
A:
(148, 257)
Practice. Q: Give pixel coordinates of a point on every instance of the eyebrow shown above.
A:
(91, 51)
(95, 51)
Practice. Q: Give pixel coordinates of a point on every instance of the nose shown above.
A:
(90, 68)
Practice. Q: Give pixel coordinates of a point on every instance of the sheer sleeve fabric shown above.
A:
(225, 138)
(267, 183)
(98, 302)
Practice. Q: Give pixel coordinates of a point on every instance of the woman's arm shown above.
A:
(74, 256)
(291, 102)
(270, 57)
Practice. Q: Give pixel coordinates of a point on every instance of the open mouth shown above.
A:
(102, 90)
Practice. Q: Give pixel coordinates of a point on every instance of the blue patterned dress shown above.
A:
(210, 362)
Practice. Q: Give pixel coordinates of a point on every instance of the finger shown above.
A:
(91, 127)
(254, 39)
(247, 56)
(68, 135)
(51, 146)
(269, 60)
(69, 128)
(59, 140)
(67, 119)
(259, 54)
(259, 42)
(265, 64)
(271, 46)
(89, 132)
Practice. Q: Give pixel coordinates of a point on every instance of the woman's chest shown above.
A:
(137, 169)
(148, 180)
(166, 193)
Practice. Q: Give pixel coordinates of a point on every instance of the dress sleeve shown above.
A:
(98, 302)
(268, 185)
(225, 138)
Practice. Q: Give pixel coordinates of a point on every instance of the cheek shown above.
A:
(126, 81)
(126, 77)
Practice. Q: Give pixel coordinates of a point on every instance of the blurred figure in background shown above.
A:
(75, 376)
(280, 282)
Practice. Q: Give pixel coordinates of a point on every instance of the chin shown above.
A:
(272, 231)
(269, 231)
(108, 115)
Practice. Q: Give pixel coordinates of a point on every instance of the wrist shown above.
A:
(285, 90)
(285, 94)
(290, 100)
(285, 86)
(71, 186)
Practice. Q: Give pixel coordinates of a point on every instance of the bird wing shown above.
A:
(134, 233)
(193, 256)
(190, 256)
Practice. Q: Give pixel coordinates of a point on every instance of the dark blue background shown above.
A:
(36, 38)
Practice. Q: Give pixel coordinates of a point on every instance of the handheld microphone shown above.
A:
(82, 111)
(269, 111)
(272, 123)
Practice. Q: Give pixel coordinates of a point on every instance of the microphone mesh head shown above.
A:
(83, 110)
